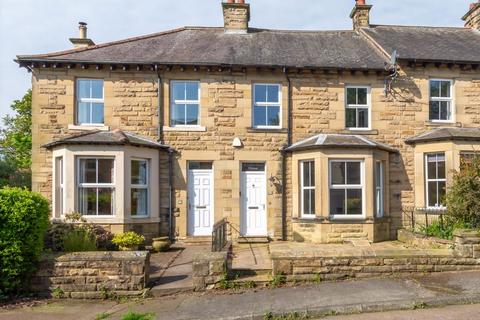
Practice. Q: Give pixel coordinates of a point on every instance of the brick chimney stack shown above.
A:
(236, 16)
(82, 41)
(361, 15)
(472, 17)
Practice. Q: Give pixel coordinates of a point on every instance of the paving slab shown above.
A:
(251, 257)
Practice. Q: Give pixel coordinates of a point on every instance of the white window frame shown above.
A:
(360, 186)
(97, 185)
(89, 100)
(427, 179)
(359, 106)
(186, 102)
(140, 186)
(303, 188)
(451, 100)
(379, 189)
(267, 104)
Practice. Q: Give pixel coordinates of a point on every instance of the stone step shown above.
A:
(162, 292)
(354, 235)
(243, 240)
(203, 239)
(258, 279)
(247, 272)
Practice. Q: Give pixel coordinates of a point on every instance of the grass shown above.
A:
(58, 293)
(138, 316)
(290, 316)
(102, 316)
(277, 281)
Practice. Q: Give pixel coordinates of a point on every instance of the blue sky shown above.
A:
(40, 26)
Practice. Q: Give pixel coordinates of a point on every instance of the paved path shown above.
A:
(367, 295)
(466, 312)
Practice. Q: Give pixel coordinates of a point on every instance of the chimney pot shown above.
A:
(82, 28)
(230, 1)
(82, 40)
(240, 1)
(360, 2)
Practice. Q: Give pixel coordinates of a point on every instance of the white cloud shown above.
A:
(32, 26)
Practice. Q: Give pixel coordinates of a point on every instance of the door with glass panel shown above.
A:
(200, 199)
(96, 186)
(253, 220)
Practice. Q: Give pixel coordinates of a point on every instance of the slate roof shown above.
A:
(445, 134)
(339, 141)
(212, 46)
(428, 43)
(115, 137)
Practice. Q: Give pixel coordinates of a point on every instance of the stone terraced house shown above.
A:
(317, 136)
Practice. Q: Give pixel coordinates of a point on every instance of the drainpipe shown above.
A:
(170, 194)
(159, 108)
(284, 157)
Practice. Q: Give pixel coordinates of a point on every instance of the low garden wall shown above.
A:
(209, 268)
(92, 275)
(421, 241)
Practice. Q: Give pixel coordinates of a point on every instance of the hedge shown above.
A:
(23, 223)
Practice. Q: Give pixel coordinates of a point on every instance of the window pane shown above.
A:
(139, 202)
(191, 91)
(307, 174)
(253, 167)
(273, 116)
(351, 118)
(105, 170)
(432, 194)
(378, 173)
(441, 193)
(97, 112)
(434, 88)
(306, 202)
(97, 89)
(362, 118)
(87, 201)
(200, 165)
(362, 95)
(178, 114)
(444, 110)
(139, 172)
(337, 202)
(192, 114)
(351, 96)
(441, 168)
(354, 201)
(259, 116)
(83, 115)
(83, 89)
(445, 89)
(178, 90)
(338, 173)
(353, 173)
(431, 167)
(105, 201)
(260, 93)
(273, 93)
(434, 110)
(88, 173)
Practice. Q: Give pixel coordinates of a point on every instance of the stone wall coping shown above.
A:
(99, 256)
(468, 233)
(210, 256)
(365, 254)
(421, 236)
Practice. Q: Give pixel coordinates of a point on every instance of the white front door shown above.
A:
(253, 200)
(200, 201)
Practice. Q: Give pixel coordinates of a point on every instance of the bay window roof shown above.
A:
(339, 141)
(446, 134)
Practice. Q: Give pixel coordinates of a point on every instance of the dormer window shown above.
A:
(90, 103)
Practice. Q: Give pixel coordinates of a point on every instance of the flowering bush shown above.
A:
(128, 239)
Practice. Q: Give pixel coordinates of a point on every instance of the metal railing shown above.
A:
(422, 217)
(219, 235)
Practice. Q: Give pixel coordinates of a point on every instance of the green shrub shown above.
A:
(23, 223)
(443, 229)
(463, 197)
(128, 239)
(138, 316)
(79, 239)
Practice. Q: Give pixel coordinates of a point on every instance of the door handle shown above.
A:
(252, 207)
(201, 207)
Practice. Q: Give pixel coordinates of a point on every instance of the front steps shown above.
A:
(248, 240)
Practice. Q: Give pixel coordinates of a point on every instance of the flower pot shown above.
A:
(161, 244)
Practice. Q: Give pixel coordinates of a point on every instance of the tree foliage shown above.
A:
(463, 197)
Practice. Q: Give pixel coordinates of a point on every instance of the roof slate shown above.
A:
(428, 43)
(212, 46)
(339, 141)
(444, 134)
(115, 137)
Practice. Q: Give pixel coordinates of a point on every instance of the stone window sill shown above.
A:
(373, 132)
(443, 124)
(185, 129)
(265, 130)
(87, 127)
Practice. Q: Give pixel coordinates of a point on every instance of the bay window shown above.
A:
(307, 184)
(96, 186)
(139, 188)
(441, 101)
(435, 180)
(185, 103)
(346, 188)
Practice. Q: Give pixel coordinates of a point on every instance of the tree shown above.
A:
(16, 144)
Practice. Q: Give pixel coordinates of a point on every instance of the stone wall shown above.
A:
(93, 275)
(421, 241)
(209, 268)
